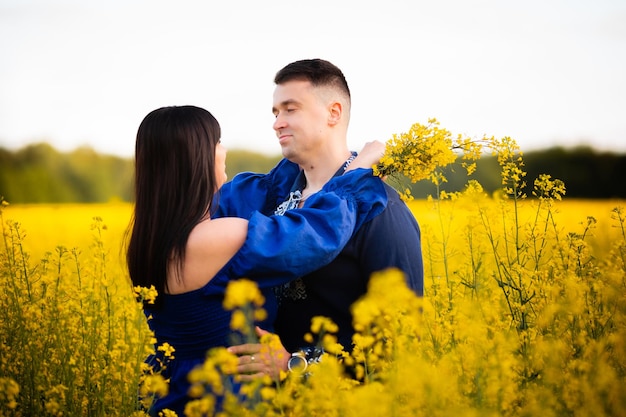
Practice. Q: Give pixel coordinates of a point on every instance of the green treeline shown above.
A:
(40, 174)
(586, 173)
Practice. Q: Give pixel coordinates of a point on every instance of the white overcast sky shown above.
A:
(86, 72)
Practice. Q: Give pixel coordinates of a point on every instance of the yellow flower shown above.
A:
(167, 349)
(260, 314)
(548, 189)
(9, 391)
(200, 408)
(240, 293)
(323, 324)
(147, 295)
(417, 153)
(238, 321)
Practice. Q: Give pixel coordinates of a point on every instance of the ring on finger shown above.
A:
(252, 358)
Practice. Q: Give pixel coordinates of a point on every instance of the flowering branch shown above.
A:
(421, 152)
(418, 153)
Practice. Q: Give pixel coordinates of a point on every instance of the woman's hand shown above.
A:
(369, 156)
(259, 359)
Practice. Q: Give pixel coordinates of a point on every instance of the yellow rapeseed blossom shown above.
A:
(9, 391)
(147, 295)
(72, 333)
(238, 321)
(241, 292)
(418, 152)
(151, 386)
(421, 152)
(321, 324)
(167, 349)
(212, 377)
(523, 313)
(548, 189)
(200, 408)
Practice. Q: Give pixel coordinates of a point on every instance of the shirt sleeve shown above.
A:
(281, 248)
(248, 192)
(393, 240)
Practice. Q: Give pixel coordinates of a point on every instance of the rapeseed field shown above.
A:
(524, 314)
(517, 319)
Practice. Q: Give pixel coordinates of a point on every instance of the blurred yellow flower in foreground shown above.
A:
(242, 292)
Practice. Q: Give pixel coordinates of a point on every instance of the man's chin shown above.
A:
(286, 151)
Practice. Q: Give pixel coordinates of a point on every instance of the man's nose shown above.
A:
(279, 123)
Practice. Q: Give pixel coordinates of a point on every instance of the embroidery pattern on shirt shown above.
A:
(296, 289)
(291, 203)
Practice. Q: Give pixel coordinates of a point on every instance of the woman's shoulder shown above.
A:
(216, 241)
(211, 232)
(211, 244)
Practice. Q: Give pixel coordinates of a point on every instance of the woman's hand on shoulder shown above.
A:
(369, 156)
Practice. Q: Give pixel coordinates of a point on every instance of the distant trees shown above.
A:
(40, 174)
(238, 160)
(585, 172)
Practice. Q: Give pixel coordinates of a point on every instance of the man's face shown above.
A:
(301, 120)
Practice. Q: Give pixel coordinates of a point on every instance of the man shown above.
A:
(312, 109)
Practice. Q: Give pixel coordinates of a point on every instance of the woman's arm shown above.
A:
(281, 248)
(248, 192)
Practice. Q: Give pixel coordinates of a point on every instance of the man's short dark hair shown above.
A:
(317, 71)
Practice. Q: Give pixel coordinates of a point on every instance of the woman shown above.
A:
(190, 258)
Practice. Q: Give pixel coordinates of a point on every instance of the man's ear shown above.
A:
(335, 113)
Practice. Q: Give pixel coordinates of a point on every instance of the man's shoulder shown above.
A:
(279, 178)
(396, 218)
(391, 239)
(394, 200)
(284, 166)
(391, 192)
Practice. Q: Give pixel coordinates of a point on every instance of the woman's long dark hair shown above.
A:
(174, 187)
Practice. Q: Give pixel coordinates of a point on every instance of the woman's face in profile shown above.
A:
(220, 165)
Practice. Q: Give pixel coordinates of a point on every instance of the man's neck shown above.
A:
(319, 171)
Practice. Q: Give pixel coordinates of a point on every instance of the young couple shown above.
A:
(310, 232)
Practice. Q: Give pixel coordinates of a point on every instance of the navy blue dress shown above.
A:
(277, 249)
